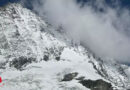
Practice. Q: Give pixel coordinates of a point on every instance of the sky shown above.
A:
(102, 26)
(4, 2)
(124, 3)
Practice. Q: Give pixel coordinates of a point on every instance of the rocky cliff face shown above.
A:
(36, 56)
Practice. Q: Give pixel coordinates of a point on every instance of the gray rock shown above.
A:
(96, 85)
(70, 76)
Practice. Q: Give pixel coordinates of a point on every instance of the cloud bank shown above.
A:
(102, 29)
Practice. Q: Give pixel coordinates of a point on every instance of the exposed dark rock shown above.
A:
(57, 58)
(2, 65)
(17, 33)
(46, 57)
(100, 71)
(42, 30)
(70, 76)
(18, 63)
(53, 52)
(80, 78)
(96, 85)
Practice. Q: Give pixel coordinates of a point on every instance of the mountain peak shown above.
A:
(32, 55)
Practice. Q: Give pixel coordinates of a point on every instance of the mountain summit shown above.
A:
(36, 56)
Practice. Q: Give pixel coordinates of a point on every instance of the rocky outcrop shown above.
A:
(97, 85)
(18, 63)
(70, 76)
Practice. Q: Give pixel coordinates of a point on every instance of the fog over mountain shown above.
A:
(105, 30)
(64, 45)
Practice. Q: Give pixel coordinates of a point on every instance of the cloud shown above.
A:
(102, 29)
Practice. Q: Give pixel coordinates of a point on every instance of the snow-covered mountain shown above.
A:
(36, 56)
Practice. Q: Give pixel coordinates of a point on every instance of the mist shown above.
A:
(103, 29)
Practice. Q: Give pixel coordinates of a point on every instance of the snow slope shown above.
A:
(25, 35)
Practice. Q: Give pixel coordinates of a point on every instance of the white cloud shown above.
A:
(105, 33)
